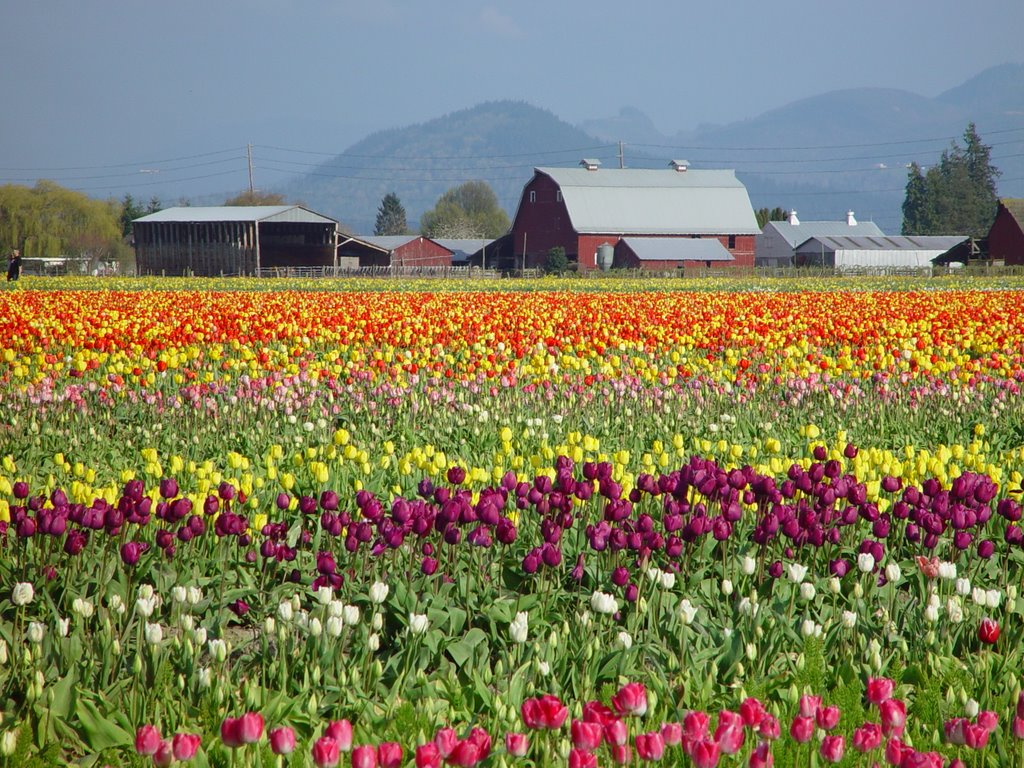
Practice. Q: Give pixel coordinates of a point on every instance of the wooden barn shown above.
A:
(406, 251)
(581, 209)
(233, 240)
(1006, 237)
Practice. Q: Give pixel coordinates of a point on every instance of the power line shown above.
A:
(124, 165)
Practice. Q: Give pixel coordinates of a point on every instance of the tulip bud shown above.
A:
(312, 706)
(3, 652)
(137, 664)
(8, 743)
(858, 591)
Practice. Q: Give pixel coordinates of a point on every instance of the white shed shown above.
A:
(874, 252)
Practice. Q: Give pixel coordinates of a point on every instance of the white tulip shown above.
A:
(726, 587)
(604, 603)
(350, 615)
(748, 565)
(284, 611)
(519, 629)
(22, 593)
(796, 572)
(195, 595)
(63, 625)
(687, 611)
(315, 627)
(324, 595)
(36, 631)
(218, 649)
(154, 633)
(378, 592)
(931, 614)
(893, 572)
(373, 642)
(377, 621)
(955, 610)
(625, 640)
(947, 571)
(334, 626)
(849, 619)
(807, 591)
(993, 598)
(418, 623)
(179, 594)
(865, 562)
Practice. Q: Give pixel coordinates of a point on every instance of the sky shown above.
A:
(111, 96)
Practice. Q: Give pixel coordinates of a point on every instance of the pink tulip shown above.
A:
(580, 758)
(164, 754)
(867, 737)
(250, 727)
(586, 736)
(282, 740)
(975, 736)
(915, 759)
(185, 745)
(622, 754)
(341, 732)
(446, 739)
(672, 733)
(704, 753)
(832, 748)
(147, 740)
(827, 718)
(761, 757)
(988, 720)
(482, 739)
(517, 744)
(695, 725)
(325, 752)
(596, 712)
(752, 712)
(895, 750)
(809, 705)
(954, 730)
(364, 756)
(389, 754)
(544, 712)
(615, 732)
(1020, 705)
(1018, 727)
(879, 689)
(650, 746)
(631, 700)
(428, 756)
(465, 754)
(770, 728)
(801, 729)
(894, 716)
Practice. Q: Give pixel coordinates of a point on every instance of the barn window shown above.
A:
(533, 196)
(732, 241)
(558, 195)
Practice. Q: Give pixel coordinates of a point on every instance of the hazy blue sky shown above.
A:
(114, 85)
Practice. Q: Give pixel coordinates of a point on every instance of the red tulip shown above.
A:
(622, 754)
(147, 740)
(615, 732)
(650, 746)
(809, 705)
(517, 744)
(879, 689)
(465, 754)
(544, 712)
(695, 725)
(282, 740)
(672, 733)
(482, 739)
(596, 712)
(586, 735)
(801, 729)
(341, 732)
(185, 745)
(446, 739)
(895, 750)
(770, 728)
(428, 756)
(1018, 727)
(580, 758)
(631, 700)
(988, 720)
(752, 712)
(832, 748)
(325, 752)
(988, 631)
(229, 732)
(975, 736)
(364, 756)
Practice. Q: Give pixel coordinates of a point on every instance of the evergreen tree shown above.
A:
(391, 217)
(764, 215)
(131, 209)
(957, 196)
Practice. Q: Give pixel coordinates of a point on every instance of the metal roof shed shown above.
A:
(874, 252)
(233, 240)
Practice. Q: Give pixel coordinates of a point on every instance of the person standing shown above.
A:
(14, 265)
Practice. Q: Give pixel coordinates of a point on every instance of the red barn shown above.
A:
(406, 251)
(1006, 238)
(581, 209)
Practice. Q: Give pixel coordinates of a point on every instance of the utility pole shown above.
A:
(248, 152)
(622, 156)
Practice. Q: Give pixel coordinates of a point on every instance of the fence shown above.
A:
(379, 271)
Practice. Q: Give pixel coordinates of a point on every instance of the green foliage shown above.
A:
(391, 217)
(49, 220)
(131, 209)
(764, 215)
(556, 262)
(957, 196)
(255, 197)
(470, 210)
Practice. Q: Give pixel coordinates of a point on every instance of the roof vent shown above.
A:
(679, 165)
(590, 165)
(850, 221)
(793, 219)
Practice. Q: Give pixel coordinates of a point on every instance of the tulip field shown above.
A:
(722, 522)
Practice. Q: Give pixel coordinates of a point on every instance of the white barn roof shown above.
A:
(276, 213)
(654, 202)
(884, 243)
(677, 249)
(799, 233)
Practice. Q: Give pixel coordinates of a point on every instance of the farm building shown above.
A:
(466, 251)
(232, 240)
(1006, 237)
(777, 242)
(581, 209)
(879, 253)
(405, 251)
(661, 253)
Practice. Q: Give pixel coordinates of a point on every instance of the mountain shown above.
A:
(499, 142)
(823, 155)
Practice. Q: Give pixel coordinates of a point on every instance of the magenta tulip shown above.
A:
(704, 753)
(586, 736)
(147, 740)
(341, 732)
(832, 748)
(428, 756)
(580, 758)
(282, 740)
(801, 729)
(517, 744)
(631, 700)
(325, 752)
(389, 754)
(164, 754)
(185, 745)
(364, 756)
(650, 746)
(879, 689)
(762, 756)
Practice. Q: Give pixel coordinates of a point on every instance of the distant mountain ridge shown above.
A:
(823, 155)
